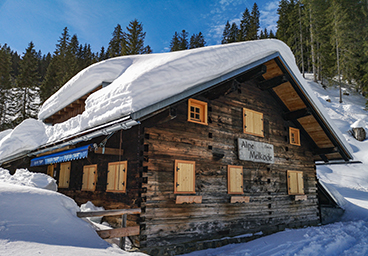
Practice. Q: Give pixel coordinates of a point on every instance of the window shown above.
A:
(294, 135)
(50, 170)
(116, 177)
(253, 122)
(64, 175)
(197, 111)
(184, 177)
(89, 177)
(235, 179)
(295, 183)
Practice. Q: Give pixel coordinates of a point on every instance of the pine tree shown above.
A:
(244, 26)
(271, 35)
(5, 85)
(174, 43)
(234, 31)
(226, 34)
(134, 38)
(254, 23)
(62, 67)
(27, 85)
(183, 40)
(196, 41)
(116, 43)
(102, 54)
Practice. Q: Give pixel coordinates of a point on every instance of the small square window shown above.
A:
(294, 135)
(197, 111)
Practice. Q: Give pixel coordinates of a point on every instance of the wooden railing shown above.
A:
(122, 232)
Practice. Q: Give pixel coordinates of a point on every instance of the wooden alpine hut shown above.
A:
(209, 144)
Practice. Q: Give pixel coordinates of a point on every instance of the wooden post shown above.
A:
(123, 225)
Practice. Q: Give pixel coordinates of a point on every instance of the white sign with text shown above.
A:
(255, 151)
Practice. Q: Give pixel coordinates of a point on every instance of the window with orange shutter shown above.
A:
(64, 175)
(89, 177)
(252, 122)
(184, 177)
(235, 179)
(295, 182)
(117, 177)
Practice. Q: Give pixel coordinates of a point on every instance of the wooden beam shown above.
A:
(118, 232)
(253, 73)
(188, 199)
(325, 151)
(273, 82)
(56, 150)
(110, 151)
(108, 213)
(239, 199)
(294, 115)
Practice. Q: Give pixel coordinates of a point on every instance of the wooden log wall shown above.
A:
(109, 200)
(213, 147)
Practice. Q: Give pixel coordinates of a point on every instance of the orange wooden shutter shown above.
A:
(295, 182)
(89, 177)
(64, 175)
(50, 170)
(184, 177)
(235, 179)
(116, 177)
(253, 122)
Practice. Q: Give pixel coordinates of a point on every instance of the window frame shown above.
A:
(245, 110)
(294, 131)
(299, 183)
(203, 107)
(117, 180)
(64, 177)
(176, 174)
(94, 178)
(229, 176)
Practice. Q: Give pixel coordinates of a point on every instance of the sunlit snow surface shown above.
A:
(38, 221)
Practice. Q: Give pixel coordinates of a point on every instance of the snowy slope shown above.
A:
(37, 221)
(349, 183)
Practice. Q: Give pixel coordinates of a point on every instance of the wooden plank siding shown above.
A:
(213, 148)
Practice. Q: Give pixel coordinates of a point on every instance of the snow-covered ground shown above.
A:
(36, 220)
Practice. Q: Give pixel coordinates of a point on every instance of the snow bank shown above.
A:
(27, 178)
(348, 238)
(37, 221)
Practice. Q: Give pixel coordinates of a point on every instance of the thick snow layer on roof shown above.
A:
(141, 81)
(27, 136)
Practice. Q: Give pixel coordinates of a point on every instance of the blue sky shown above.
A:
(42, 21)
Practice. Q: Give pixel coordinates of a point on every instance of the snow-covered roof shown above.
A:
(141, 81)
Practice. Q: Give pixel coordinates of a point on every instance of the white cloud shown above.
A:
(269, 17)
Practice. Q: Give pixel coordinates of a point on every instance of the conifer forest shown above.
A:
(329, 38)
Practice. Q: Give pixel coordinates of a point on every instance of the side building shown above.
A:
(232, 154)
